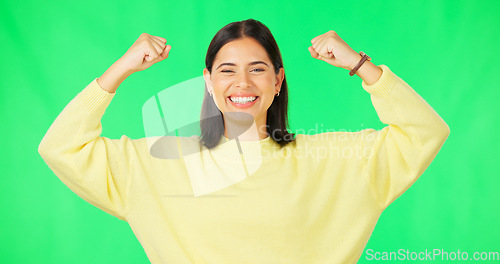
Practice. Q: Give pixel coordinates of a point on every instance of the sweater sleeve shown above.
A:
(95, 168)
(396, 156)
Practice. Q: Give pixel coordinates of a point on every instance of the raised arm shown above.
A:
(98, 168)
(399, 153)
(93, 167)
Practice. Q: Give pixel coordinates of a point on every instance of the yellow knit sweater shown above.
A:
(317, 200)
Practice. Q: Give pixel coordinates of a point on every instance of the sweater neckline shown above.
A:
(260, 140)
(252, 151)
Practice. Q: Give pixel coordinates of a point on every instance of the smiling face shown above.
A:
(243, 79)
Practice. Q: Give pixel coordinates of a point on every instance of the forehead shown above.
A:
(241, 49)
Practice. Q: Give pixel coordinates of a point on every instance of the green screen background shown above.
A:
(446, 50)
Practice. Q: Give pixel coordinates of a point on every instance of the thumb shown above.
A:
(329, 59)
(314, 54)
(165, 52)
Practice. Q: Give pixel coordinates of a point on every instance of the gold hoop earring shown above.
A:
(278, 94)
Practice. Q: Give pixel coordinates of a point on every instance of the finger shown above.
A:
(163, 40)
(159, 42)
(314, 54)
(318, 44)
(165, 52)
(315, 38)
(322, 47)
(158, 47)
(151, 52)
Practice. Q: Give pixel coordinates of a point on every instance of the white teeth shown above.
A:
(242, 100)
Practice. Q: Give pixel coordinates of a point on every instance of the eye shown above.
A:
(259, 70)
(226, 71)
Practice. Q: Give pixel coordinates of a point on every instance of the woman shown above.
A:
(282, 198)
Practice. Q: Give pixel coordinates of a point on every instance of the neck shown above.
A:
(245, 127)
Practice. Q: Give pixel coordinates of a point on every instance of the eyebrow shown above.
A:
(232, 64)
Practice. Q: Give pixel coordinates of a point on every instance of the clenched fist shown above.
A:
(146, 51)
(331, 48)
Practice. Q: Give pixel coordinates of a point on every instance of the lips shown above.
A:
(242, 95)
(242, 105)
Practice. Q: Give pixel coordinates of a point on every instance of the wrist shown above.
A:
(369, 72)
(354, 61)
(113, 77)
(120, 69)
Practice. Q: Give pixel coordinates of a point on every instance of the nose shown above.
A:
(242, 80)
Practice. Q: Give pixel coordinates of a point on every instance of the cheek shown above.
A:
(266, 81)
(219, 85)
(220, 99)
(268, 101)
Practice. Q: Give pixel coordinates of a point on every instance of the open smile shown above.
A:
(243, 102)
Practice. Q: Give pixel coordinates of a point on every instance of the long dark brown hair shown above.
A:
(211, 120)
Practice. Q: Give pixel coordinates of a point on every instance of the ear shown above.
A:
(208, 81)
(279, 79)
